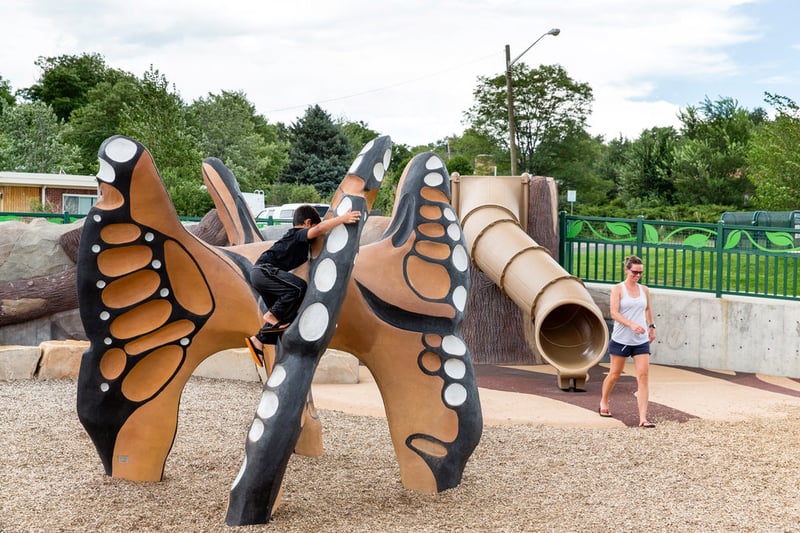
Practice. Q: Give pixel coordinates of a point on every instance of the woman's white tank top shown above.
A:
(633, 309)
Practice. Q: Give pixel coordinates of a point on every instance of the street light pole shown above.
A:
(512, 129)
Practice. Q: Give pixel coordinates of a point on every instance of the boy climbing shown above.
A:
(272, 278)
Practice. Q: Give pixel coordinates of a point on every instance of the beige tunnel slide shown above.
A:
(569, 330)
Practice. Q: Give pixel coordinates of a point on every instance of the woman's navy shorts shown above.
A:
(615, 348)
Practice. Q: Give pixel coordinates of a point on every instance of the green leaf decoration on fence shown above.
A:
(696, 240)
(733, 239)
(780, 238)
(574, 228)
(650, 234)
(622, 229)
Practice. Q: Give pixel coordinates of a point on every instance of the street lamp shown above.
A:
(512, 130)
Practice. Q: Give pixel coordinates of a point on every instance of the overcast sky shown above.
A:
(408, 68)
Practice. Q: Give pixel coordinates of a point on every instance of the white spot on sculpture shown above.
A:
(367, 147)
(453, 345)
(156, 264)
(121, 150)
(460, 260)
(107, 341)
(149, 236)
(97, 218)
(268, 405)
(344, 206)
(314, 322)
(325, 275)
(455, 368)
(354, 166)
(454, 232)
(105, 315)
(378, 171)
(337, 239)
(460, 297)
(277, 376)
(104, 387)
(433, 179)
(455, 395)
(106, 172)
(96, 248)
(433, 163)
(185, 341)
(164, 292)
(387, 157)
(256, 430)
(449, 214)
(100, 284)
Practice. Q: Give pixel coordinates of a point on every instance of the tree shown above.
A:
(710, 160)
(320, 152)
(646, 174)
(358, 134)
(575, 162)
(101, 117)
(31, 140)
(461, 164)
(66, 80)
(6, 96)
(157, 117)
(548, 105)
(774, 157)
(227, 127)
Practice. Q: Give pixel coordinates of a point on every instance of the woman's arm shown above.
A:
(328, 224)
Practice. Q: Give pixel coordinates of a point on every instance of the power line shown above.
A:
(383, 88)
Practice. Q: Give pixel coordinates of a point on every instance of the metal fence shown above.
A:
(717, 258)
(59, 218)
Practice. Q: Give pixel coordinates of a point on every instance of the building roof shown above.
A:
(32, 179)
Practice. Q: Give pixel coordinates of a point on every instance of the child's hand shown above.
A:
(351, 216)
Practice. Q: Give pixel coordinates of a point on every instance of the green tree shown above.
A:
(102, 116)
(646, 173)
(6, 96)
(157, 117)
(710, 160)
(31, 140)
(320, 152)
(461, 164)
(575, 162)
(227, 126)
(548, 105)
(66, 80)
(774, 157)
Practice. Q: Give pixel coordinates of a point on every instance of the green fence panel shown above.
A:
(716, 258)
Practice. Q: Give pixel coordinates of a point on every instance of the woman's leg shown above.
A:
(614, 372)
(642, 364)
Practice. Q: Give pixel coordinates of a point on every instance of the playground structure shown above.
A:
(568, 329)
(156, 301)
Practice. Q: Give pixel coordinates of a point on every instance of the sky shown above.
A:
(409, 68)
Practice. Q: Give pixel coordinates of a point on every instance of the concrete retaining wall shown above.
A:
(735, 333)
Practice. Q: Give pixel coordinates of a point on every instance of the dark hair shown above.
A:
(303, 212)
(632, 260)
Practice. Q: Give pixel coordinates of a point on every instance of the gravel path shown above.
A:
(694, 476)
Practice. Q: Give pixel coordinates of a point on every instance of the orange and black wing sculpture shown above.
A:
(155, 301)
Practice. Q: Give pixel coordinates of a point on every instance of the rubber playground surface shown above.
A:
(529, 395)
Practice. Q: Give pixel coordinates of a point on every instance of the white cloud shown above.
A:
(407, 68)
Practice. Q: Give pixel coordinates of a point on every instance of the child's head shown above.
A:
(304, 212)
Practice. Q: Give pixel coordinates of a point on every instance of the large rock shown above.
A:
(32, 249)
(18, 362)
(61, 359)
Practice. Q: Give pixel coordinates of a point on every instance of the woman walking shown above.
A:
(633, 332)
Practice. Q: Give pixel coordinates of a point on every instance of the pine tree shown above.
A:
(320, 152)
